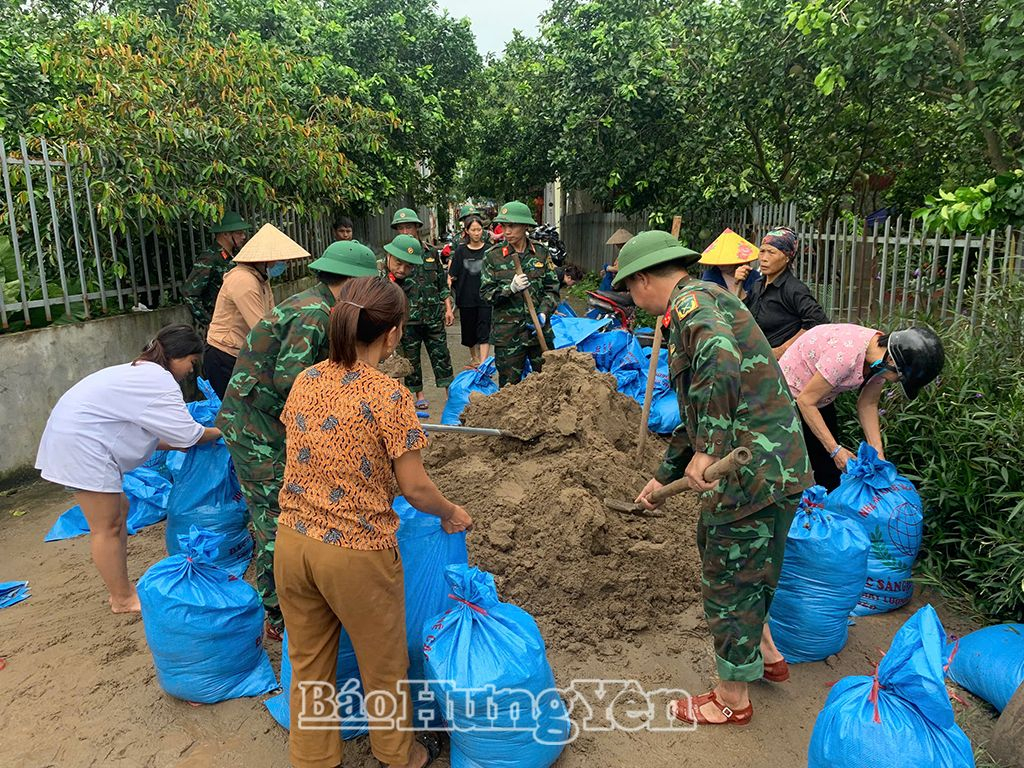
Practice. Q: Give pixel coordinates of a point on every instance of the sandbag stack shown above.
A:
(479, 379)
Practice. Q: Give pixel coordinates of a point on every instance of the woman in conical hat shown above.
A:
(618, 239)
(244, 299)
(729, 263)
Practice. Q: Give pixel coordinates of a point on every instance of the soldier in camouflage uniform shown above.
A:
(512, 333)
(203, 283)
(731, 393)
(431, 307)
(279, 347)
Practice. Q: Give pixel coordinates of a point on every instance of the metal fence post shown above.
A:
(18, 267)
(75, 233)
(45, 289)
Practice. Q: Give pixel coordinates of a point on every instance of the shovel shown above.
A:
(472, 431)
(739, 457)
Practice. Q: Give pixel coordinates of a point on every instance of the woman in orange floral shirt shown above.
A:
(352, 434)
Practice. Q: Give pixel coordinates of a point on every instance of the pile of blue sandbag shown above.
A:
(848, 552)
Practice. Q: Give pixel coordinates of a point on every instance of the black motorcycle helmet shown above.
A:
(918, 356)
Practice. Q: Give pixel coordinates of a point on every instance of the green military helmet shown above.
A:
(405, 216)
(468, 210)
(406, 248)
(515, 212)
(231, 222)
(648, 249)
(348, 258)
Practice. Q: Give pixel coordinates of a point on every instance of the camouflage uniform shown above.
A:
(282, 345)
(426, 288)
(511, 336)
(731, 393)
(203, 284)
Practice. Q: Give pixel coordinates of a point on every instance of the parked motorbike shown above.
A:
(619, 307)
(547, 235)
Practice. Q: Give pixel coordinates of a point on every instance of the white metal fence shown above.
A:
(58, 261)
(871, 272)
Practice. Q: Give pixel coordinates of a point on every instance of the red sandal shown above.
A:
(777, 672)
(732, 716)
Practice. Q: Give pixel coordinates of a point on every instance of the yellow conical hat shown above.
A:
(728, 248)
(269, 244)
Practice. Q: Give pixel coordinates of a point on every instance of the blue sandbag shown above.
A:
(562, 310)
(227, 519)
(989, 663)
(426, 552)
(12, 592)
(612, 349)
(486, 661)
(821, 580)
(570, 331)
(899, 718)
(204, 627)
(872, 492)
(347, 681)
(480, 379)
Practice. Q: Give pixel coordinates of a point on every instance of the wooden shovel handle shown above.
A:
(739, 457)
(529, 305)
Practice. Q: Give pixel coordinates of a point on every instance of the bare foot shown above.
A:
(129, 605)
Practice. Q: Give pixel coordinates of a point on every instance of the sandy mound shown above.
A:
(586, 573)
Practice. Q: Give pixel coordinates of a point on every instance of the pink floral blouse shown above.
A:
(835, 351)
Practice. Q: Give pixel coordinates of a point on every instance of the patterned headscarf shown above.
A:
(784, 239)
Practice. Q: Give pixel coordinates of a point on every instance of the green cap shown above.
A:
(231, 222)
(406, 248)
(515, 212)
(648, 249)
(468, 210)
(349, 258)
(405, 216)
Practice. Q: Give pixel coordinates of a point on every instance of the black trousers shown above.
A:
(476, 325)
(826, 472)
(217, 369)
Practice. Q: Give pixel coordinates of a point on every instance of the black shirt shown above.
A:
(784, 307)
(465, 271)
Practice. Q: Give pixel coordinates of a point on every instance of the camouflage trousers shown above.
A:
(514, 344)
(257, 450)
(434, 337)
(741, 561)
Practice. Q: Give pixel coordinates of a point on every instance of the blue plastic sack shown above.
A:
(228, 520)
(570, 331)
(426, 552)
(989, 663)
(900, 717)
(347, 680)
(486, 660)
(204, 626)
(821, 580)
(887, 505)
(480, 379)
(148, 491)
(562, 310)
(613, 349)
(12, 592)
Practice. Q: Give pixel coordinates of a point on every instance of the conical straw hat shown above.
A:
(728, 248)
(619, 237)
(269, 244)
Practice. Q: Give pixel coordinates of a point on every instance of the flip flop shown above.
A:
(432, 743)
(422, 405)
(273, 633)
(732, 716)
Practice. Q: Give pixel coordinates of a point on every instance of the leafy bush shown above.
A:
(960, 441)
(993, 204)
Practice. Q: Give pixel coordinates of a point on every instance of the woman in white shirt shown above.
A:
(111, 422)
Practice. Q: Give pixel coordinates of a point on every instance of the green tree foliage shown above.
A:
(993, 204)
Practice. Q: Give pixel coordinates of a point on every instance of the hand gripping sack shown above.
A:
(822, 576)
(348, 685)
(204, 627)
(898, 718)
(887, 505)
(487, 663)
(426, 552)
(989, 663)
(480, 379)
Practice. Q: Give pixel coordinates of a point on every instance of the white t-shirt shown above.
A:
(111, 422)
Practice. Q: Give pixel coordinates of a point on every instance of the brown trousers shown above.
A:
(322, 587)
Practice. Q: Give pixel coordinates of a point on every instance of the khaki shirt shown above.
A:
(244, 299)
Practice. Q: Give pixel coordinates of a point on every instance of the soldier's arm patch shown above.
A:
(685, 305)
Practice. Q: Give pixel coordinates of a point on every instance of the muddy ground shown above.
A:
(79, 688)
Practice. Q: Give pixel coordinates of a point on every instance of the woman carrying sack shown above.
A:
(111, 422)
(352, 434)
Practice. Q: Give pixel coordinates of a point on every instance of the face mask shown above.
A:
(276, 269)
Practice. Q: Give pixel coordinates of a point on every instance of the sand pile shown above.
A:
(586, 573)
